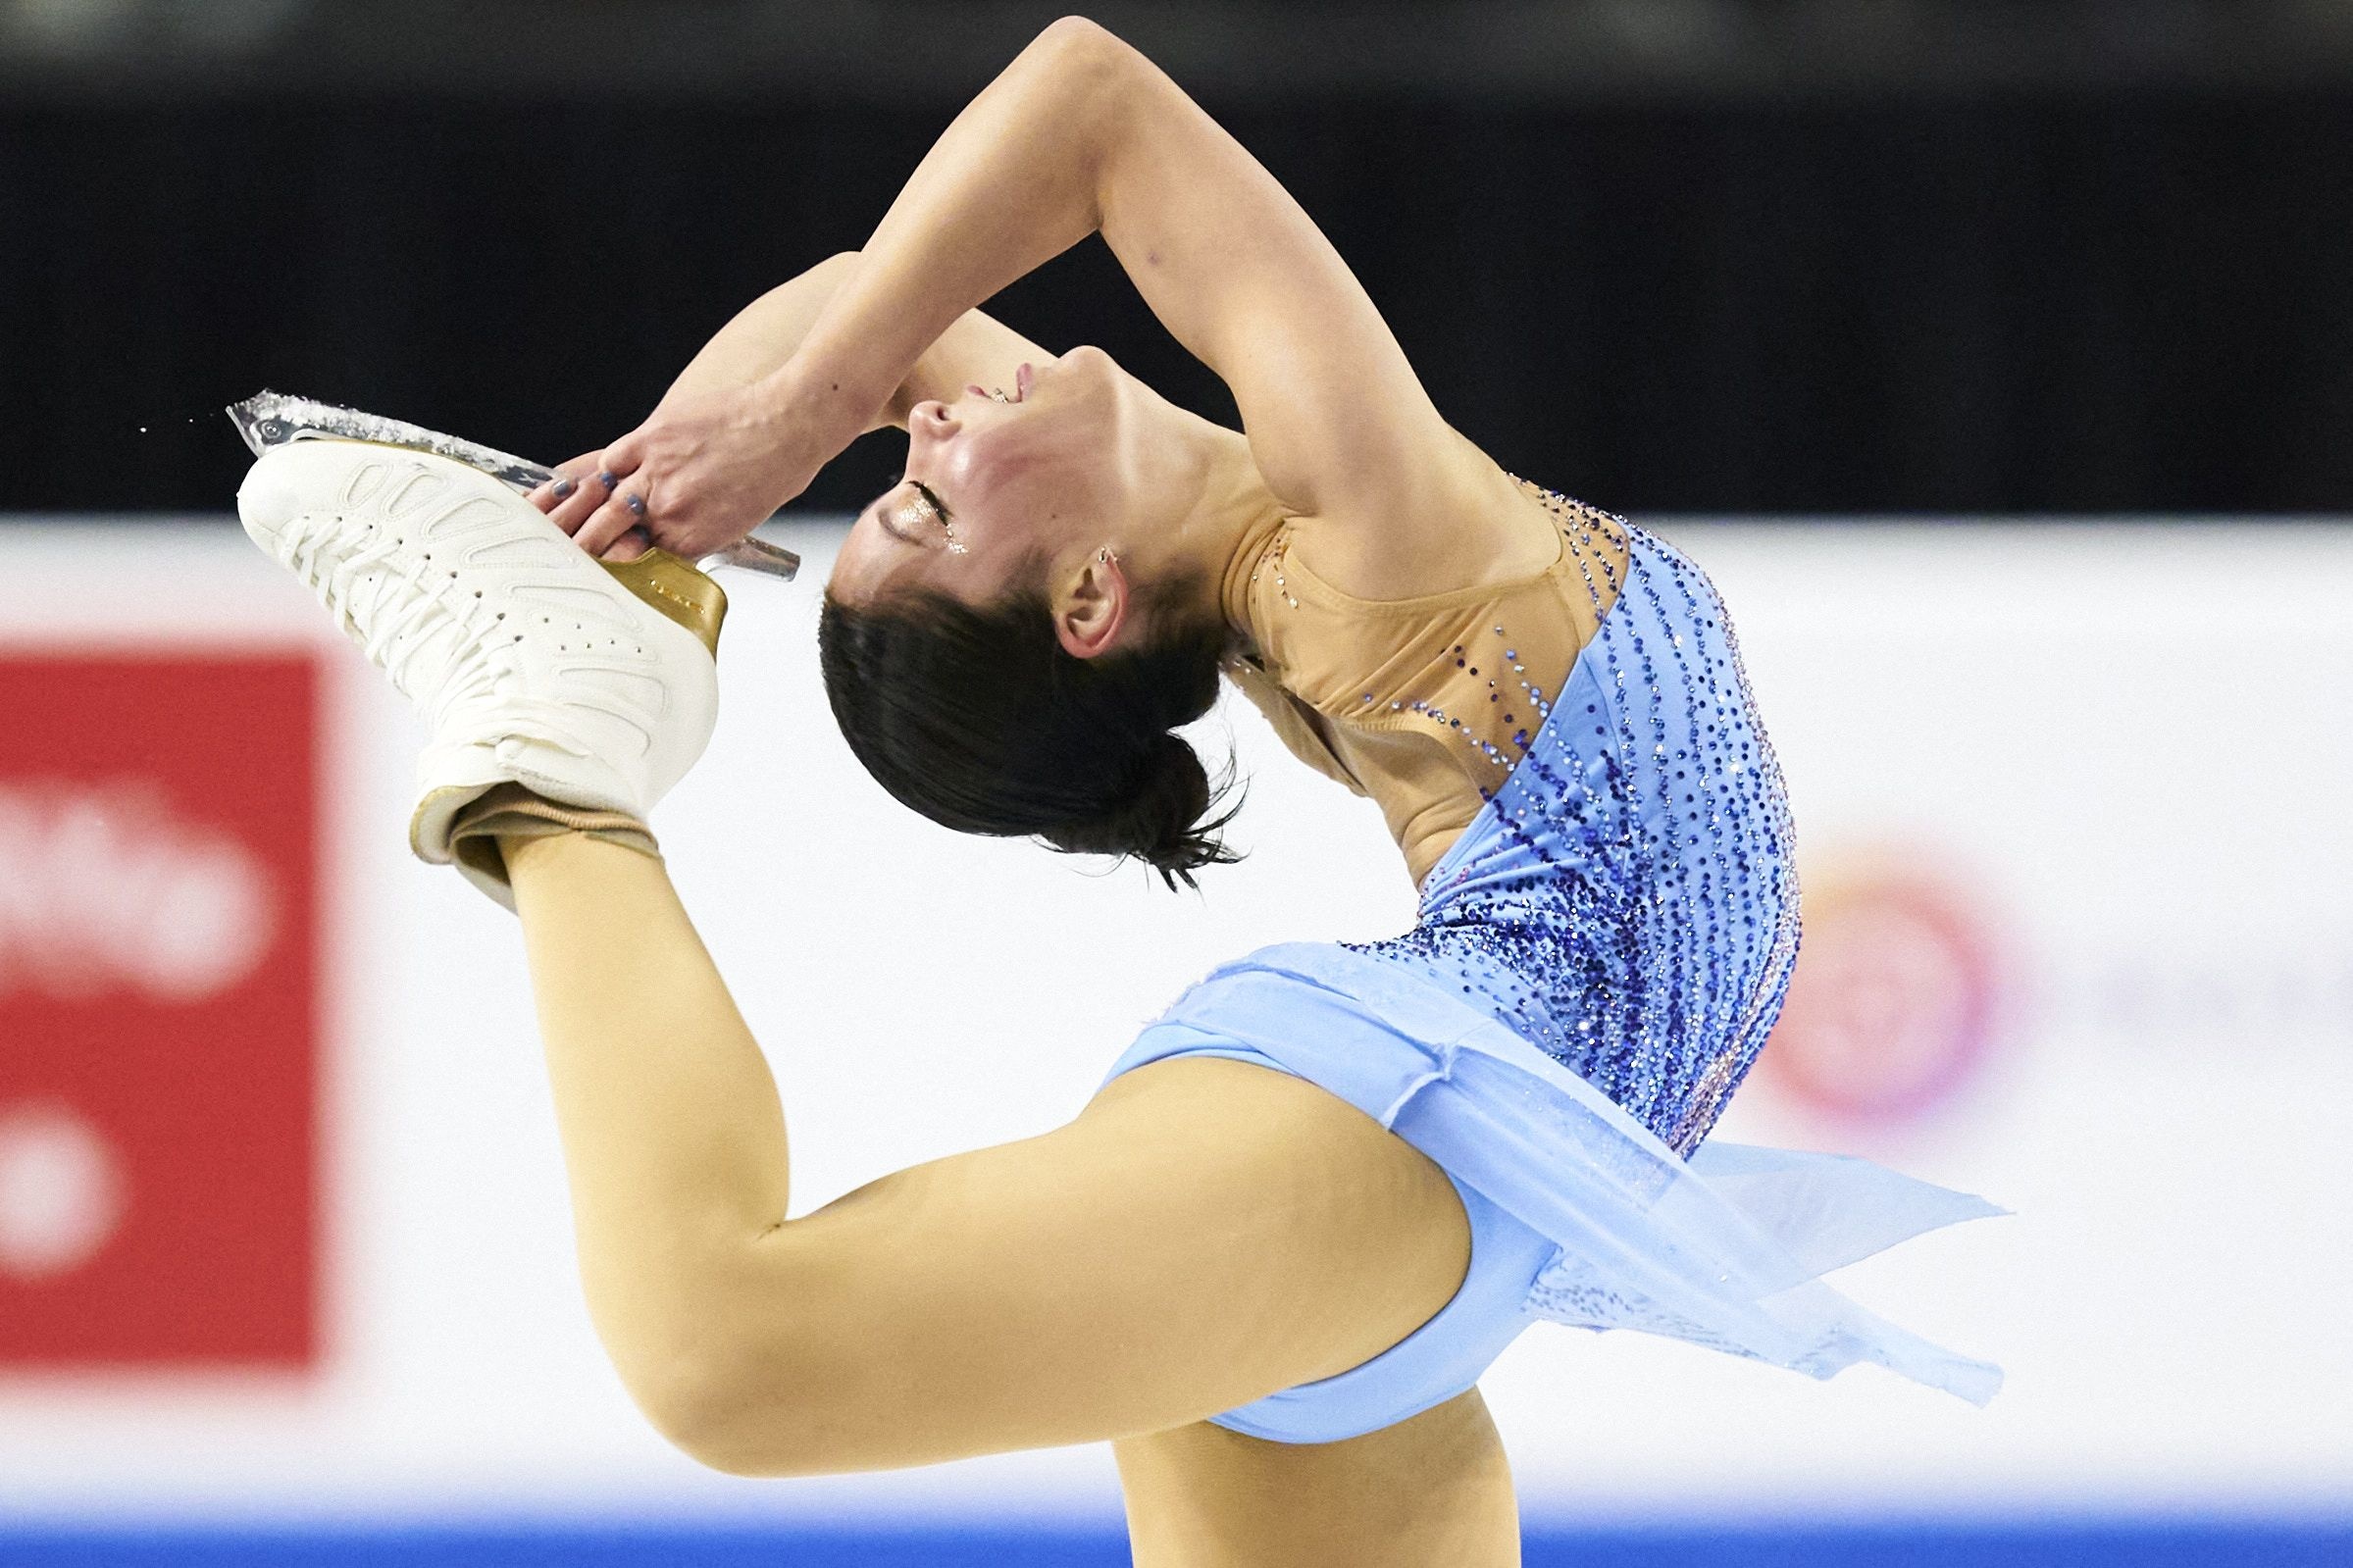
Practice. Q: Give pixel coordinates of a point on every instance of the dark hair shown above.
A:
(980, 720)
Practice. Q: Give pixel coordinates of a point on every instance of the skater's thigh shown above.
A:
(1433, 1488)
(1205, 1233)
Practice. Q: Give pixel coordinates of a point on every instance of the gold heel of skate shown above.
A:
(677, 590)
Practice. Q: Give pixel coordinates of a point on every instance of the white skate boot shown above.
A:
(532, 663)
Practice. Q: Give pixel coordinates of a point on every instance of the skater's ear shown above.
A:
(1090, 611)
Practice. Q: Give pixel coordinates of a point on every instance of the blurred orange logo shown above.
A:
(1894, 1002)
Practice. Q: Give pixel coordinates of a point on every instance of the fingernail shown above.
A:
(563, 487)
(635, 503)
(607, 478)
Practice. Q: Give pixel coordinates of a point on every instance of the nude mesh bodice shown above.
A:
(1423, 704)
(1625, 897)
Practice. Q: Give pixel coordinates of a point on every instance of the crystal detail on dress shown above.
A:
(1627, 898)
(1270, 559)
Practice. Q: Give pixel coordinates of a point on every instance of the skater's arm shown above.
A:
(1012, 182)
(764, 335)
(755, 343)
(761, 336)
(1081, 134)
(1009, 185)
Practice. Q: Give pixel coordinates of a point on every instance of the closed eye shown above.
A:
(930, 500)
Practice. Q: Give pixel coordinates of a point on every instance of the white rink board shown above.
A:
(2130, 738)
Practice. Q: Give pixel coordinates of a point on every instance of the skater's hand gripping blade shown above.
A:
(270, 420)
(532, 663)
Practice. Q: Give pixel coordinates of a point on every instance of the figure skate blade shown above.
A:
(269, 418)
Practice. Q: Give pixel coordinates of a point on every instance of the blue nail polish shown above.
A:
(563, 487)
(608, 479)
(635, 503)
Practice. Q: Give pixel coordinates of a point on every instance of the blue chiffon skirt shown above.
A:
(1594, 967)
(1579, 1214)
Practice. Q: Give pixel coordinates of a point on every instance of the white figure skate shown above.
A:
(591, 684)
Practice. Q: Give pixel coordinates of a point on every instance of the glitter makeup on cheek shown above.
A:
(911, 518)
(938, 513)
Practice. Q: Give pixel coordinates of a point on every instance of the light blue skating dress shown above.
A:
(1595, 964)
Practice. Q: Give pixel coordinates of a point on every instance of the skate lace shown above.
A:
(460, 679)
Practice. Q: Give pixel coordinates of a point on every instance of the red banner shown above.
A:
(159, 1010)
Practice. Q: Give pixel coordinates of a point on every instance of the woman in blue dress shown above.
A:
(1313, 1202)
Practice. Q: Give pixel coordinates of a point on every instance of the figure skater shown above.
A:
(1313, 1202)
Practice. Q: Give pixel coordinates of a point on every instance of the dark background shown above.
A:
(1689, 255)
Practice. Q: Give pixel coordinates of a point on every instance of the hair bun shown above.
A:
(1156, 815)
(1160, 817)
